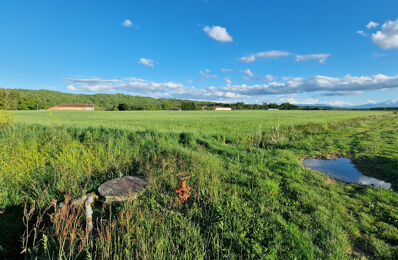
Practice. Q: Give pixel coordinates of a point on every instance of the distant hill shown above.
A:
(315, 107)
(23, 99)
(385, 104)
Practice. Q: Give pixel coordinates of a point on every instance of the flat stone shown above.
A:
(122, 189)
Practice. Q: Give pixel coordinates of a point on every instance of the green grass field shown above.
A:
(250, 198)
(240, 122)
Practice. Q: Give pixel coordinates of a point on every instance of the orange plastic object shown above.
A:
(183, 192)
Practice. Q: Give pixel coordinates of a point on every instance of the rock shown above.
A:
(122, 189)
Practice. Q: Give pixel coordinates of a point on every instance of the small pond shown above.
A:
(344, 170)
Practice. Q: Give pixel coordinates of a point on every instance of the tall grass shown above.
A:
(227, 123)
(250, 196)
(6, 118)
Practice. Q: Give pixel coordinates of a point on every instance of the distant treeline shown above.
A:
(384, 108)
(23, 99)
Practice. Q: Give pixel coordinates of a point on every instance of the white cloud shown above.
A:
(371, 25)
(127, 23)
(326, 86)
(387, 37)
(292, 100)
(338, 103)
(265, 54)
(146, 62)
(135, 85)
(269, 77)
(228, 81)
(320, 57)
(226, 70)
(218, 33)
(294, 85)
(248, 72)
(362, 33)
(206, 74)
(71, 88)
(342, 93)
(307, 101)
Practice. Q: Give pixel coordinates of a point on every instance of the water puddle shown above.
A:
(344, 170)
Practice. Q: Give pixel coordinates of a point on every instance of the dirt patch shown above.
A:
(323, 157)
(330, 180)
(359, 253)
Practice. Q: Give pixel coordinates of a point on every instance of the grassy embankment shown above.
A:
(251, 197)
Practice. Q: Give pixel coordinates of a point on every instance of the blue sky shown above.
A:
(307, 52)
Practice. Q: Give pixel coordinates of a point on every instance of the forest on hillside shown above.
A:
(23, 99)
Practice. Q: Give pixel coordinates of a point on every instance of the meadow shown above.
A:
(251, 197)
(233, 123)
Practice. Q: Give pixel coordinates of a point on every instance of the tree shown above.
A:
(239, 105)
(273, 105)
(288, 106)
(113, 107)
(188, 105)
(123, 107)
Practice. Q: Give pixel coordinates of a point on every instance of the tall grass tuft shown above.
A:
(6, 118)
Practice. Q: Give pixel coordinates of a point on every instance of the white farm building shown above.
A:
(222, 108)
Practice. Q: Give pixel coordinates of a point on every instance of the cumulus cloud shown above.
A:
(371, 25)
(206, 74)
(127, 23)
(71, 88)
(329, 86)
(295, 85)
(321, 57)
(218, 33)
(265, 54)
(248, 72)
(294, 101)
(135, 85)
(387, 37)
(307, 101)
(146, 62)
